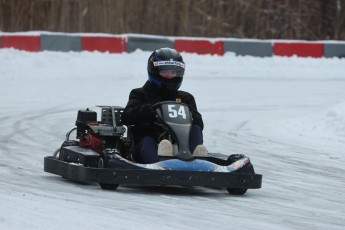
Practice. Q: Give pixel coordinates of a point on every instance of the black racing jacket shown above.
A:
(151, 94)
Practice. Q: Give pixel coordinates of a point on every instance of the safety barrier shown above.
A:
(130, 42)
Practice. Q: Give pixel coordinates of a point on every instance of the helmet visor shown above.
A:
(169, 69)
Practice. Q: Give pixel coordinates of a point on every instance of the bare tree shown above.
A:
(265, 19)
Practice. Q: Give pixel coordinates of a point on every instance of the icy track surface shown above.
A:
(286, 114)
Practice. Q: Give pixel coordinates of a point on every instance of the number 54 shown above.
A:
(173, 112)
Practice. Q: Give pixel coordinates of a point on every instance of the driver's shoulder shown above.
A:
(138, 91)
(184, 94)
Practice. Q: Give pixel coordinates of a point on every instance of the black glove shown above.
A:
(147, 113)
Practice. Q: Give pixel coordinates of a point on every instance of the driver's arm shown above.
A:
(130, 115)
(197, 118)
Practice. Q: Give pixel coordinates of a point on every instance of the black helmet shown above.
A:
(166, 68)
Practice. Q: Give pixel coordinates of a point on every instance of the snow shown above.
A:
(286, 114)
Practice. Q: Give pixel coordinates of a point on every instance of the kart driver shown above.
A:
(165, 74)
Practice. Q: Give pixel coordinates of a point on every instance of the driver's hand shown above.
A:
(147, 113)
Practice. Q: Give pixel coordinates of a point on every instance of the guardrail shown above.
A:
(36, 42)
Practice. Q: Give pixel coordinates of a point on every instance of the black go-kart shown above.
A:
(110, 164)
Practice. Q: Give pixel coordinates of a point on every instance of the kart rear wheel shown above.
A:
(109, 186)
(103, 185)
(237, 191)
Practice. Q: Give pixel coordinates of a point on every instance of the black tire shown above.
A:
(237, 191)
(234, 157)
(248, 168)
(106, 186)
(109, 186)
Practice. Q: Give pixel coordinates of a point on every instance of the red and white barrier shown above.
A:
(128, 43)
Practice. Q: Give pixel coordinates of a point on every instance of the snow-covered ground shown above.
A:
(286, 114)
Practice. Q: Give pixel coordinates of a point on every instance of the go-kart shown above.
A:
(106, 156)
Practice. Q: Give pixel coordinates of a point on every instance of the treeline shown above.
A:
(263, 19)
